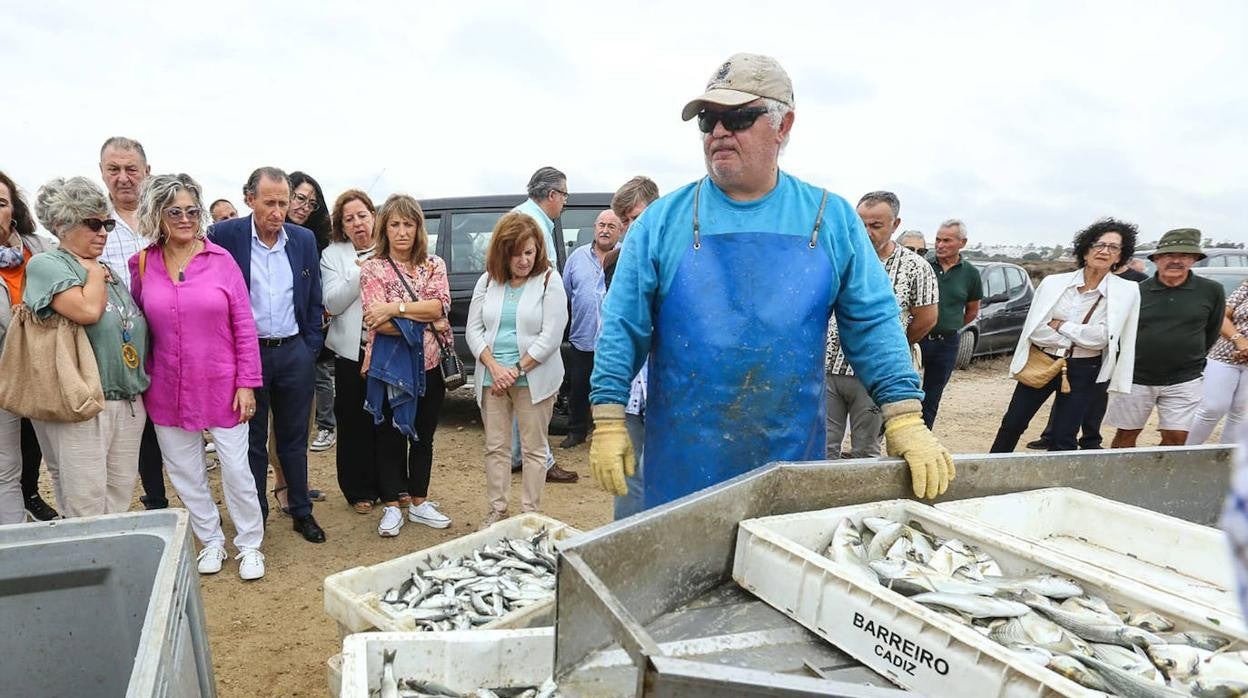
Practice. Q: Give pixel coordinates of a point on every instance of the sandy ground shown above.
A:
(272, 638)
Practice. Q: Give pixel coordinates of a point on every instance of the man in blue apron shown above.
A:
(727, 285)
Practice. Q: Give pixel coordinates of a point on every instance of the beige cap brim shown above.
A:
(720, 97)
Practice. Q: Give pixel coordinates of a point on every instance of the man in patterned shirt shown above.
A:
(914, 284)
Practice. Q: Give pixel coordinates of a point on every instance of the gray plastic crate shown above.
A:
(109, 605)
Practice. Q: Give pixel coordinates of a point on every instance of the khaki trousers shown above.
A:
(533, 420)
(95, 463)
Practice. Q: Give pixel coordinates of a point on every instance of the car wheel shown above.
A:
(966, 347)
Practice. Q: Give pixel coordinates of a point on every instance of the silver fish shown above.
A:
(442, 574)
(1009, 632)
(1203, 688)
(1050, 585)
(1033, 654)
(1091, 629)
(389, 685)
(432, 688)
(883, 540)
(1205, 641)
(1080, 674)
(1177, 662)
(1150, 621)
(1135, 661)
(847, 550)
(974, 606)
(1125, 683)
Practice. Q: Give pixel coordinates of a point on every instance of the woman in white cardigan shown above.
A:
(1088, 316)
(515, 326)
(353, 241)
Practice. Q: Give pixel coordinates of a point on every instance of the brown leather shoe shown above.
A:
(557, 474)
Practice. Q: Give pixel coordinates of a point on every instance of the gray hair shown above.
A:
(276, 174)
(157, 193)
(62, 204)
(776, 111)
(955, 223)
(908, 234)
(882, 197)
(544, 181)
(123, 143)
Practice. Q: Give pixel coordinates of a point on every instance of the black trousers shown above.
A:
(939, 358)
(580, 368)
(152, 470)
(404, 465)
(289, 385)
(357, 437)
(1068, 409)
(1090, 432)
(32, 455)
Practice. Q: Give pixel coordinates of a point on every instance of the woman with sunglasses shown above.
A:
(913, 240)
(205, 365)
(1088, 317)
(94, 464)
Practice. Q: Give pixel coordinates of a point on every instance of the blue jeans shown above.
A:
(516, 460)
(632, 502)
(1069, 409)
(939, 357)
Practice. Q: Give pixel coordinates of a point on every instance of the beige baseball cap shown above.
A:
(741, 79)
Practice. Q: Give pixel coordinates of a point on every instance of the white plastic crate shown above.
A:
(352, 597)
(460, 660)
(333, 672)
(1176, 556)
(779, 560)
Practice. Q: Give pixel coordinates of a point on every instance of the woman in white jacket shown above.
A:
(353, 241)
(515, 326)
(1088, 316)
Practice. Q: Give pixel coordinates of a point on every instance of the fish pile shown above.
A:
(393, 687)
(480, 587)
(1044, 618)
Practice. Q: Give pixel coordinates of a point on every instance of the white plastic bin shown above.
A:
(352, 597)
(333, 672)
(106, 605)
(460, 660)
(779, 559)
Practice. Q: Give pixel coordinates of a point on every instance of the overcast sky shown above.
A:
(1027, 120)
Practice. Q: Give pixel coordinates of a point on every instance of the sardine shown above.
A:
(444, 573)
(1124, 682)
(389, 685)
(974, 606)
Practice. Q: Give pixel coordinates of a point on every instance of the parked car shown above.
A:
(1215, 257)
(1007, 298)
(459, 233)
(1229, 277)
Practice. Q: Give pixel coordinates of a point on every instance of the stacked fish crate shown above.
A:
(1051, 592)
(461, 603)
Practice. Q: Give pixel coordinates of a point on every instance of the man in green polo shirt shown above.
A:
(1180, 317)
(960, 291)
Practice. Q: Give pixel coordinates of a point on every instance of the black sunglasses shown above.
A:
(95, 224)
(917, 250)
(734, 119)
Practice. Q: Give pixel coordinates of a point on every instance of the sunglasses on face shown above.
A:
(177, 214)
(917, 250)
(733, 120)
(95, 224)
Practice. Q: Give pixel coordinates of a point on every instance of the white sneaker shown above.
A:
(427, 513)
(210, 559)
(325, 439)
(251, 564)
(391, 522)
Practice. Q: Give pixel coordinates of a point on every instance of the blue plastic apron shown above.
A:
(736, 372)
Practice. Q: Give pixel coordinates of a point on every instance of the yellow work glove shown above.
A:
(931, 465)
(611, 451)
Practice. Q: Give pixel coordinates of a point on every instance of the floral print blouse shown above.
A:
(379, 284)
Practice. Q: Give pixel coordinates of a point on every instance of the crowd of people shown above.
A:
(744, 318)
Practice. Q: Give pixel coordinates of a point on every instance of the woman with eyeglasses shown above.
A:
(94, 464)
(204, 364)
(1087, 317)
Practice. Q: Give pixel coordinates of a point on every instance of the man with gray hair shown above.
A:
(914, 285)
(281, 266)
(960, 291)
(727, 284)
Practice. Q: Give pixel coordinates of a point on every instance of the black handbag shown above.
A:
(450, 364)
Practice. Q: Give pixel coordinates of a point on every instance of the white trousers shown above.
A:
(12, 506)
(184, 461)
(94, 463)
(1225, 392)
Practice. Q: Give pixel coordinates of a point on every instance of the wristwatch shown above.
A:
(520, 369)
(402, 307)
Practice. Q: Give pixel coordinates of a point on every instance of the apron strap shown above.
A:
(814, 234)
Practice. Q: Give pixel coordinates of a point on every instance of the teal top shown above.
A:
(51, 273)
(506, 350)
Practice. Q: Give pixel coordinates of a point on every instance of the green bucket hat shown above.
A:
(1179, 241)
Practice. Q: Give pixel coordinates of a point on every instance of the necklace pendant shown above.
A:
(181, 276)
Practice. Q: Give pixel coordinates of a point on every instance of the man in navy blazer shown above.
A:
(281, 266)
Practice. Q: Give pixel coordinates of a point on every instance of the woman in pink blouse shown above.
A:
(423, 295)
(204, 362)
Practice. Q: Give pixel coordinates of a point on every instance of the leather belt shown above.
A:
(276, 341)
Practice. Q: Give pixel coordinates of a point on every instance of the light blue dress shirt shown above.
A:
(586, 286)
(272, 288)
(532, 210)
